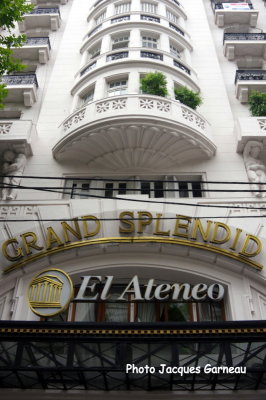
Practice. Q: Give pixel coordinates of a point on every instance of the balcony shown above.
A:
(90, 357)
(46, 18)
(88, 68)
(22, 88)
(227, 13)
(175, 28)
(248, 80)
(251, 128)
(117, 56)
(149, 18)
(247, 48)
(120, 19)
(49, 2)
(34, 49)
(149, 54)
(16, 135)
(135, 131)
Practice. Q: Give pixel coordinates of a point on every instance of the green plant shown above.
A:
(188, 97)
(11, 11)
(257, 104)
(154, 83)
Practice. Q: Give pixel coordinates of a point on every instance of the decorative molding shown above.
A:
(5, 128)
(77, 117)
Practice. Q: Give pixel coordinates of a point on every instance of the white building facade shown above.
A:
(153, 211)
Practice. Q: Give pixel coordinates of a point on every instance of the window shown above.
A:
(154, 311)
(99, 19)
(120, 42)
(152, 189)
(88, 97)
(78, 189)
(149, 41)
(174, 50)
(155, 187)
(95, 51)
(172, 17)
(115, 88)
(189, 189)
(149, 7)
(115, 188)
(122, 8)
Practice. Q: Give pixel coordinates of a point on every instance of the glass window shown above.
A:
(149, 41)
(100, 18)
(79, 189)
(88, 97)
(172, 17)
(122, 8)
(120, 42)
(149, 7)
(95, 51)
(174, 51)
(116, 88)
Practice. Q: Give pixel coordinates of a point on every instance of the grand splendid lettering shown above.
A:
(182, 230)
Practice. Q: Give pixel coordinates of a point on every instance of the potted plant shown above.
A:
(188, 97)
(154, 83)
(257, 104)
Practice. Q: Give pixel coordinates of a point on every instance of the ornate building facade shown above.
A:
(132, 225)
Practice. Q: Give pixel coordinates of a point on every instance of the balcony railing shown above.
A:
(50, 10)
(21, 79)
(120, 19)
(149, 18)
(117, 56)
(176, 29)
(88, 68)
(35, 41)
(244, 36)
(248, 75)
(95, 30)
(149, 54)
(181, 66)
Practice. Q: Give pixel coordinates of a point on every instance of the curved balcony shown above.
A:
(135, 131)
(141, 19)
(130, 58)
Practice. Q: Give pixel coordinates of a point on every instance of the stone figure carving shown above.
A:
(13, 165)
(256, 170)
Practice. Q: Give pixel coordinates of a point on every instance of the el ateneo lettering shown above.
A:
(133, 227)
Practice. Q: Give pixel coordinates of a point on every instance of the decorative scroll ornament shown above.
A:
(256, 170)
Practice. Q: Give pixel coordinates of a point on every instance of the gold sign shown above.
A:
(50, 292)
(135, 227)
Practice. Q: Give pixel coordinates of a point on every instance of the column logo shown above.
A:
(50, 292)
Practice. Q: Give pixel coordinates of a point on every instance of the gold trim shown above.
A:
(136, 239)
(220, 331)
(71, 295)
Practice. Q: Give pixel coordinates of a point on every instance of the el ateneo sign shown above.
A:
(51, 291)
(134, 227)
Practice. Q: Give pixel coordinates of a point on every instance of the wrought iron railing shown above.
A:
(20, 79)
(149, 54)
(176, 29)
(98, 27)
(181, 66)
(244, 36)
(120, 19)
(117, 56)
(250, 75)
(33, 41)
(46, 10)
(88, 68)
(149, 18)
